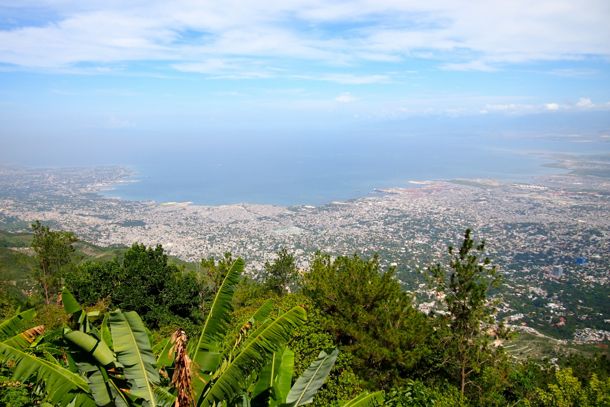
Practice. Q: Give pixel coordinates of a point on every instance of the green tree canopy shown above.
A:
(281, 275)
(143, 281)
(465, 292)
(370, 315)
(53, 250)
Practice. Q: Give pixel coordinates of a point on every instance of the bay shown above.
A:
(314, 170)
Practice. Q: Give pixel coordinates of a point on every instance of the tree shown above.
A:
(215, 271)
(568, 391)
(281, 275)
(53, 250)
(143, 280)
(465, 289)
(93, 281)
(113, 363)
(369, 315)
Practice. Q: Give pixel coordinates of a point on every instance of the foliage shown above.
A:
(470, 315)
(14, 393)
(92, 281)
(366, 399)
(369, 315)
(281, 276)
(583, 367)
(53, 250)
(342, 383)
(307, 385)
(273, 385)
(568, 391)
(216, 270)
(251, 338)
(142, 281)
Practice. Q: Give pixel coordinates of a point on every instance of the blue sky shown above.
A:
(72, 69)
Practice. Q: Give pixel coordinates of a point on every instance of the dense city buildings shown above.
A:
(550, 238)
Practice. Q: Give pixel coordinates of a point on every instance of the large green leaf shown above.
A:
(25, 339)
(312, 379)
(284, 375)
(118, 397)
(14, 325)
(266, 378)
(252, 357)
(257, 321)
(105, 334)
(365, 399)
(61, 385)
(97, 379)
(274, 379)
(219, 317)
(71, 306)
(92, 346)
(262, 313)
(134, 352)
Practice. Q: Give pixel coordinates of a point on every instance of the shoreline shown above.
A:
(551, 164)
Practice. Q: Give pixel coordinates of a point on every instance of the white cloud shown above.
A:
(191, 35)
(469, 66)
(552, 106)
(585, 103)
(519, 108)
(345, 98)
(506, 107)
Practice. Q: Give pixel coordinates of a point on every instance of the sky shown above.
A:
(85, 72)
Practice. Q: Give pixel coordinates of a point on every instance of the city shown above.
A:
(548, 238)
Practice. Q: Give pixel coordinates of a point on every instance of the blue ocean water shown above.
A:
(303, 169)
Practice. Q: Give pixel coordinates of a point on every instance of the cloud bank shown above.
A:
(260, 39)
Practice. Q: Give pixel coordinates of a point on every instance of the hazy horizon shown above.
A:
(113, 82)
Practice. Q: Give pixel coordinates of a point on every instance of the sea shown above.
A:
(315, 170)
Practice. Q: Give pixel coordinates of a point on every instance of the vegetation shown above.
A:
(53, 250)
(465, 290)
(135, 328)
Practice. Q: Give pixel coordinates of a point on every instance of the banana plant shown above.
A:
(113, 363)
(110, 366)
(62, 386)
(222, 375)
(116, 359)
(273, 386)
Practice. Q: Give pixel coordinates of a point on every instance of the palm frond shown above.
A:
(308, 384)
(219, 317)
(24, 339)
(61, 385)
(259, 320)
(284, 375)
(134, 352)
(164, 397)
(14, 325)
(252, 356)
(97, 379)
(263, 311)
(274, 379)
(70, 304)
(118, 397)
